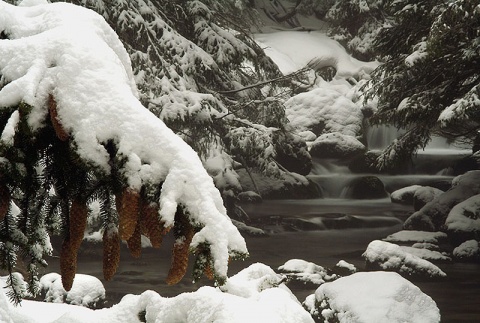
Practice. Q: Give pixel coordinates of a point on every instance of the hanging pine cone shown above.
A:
(68, 264)
(150, 224)
(184, 233)
(127, 208)
(4, 201)
(78, 222)
(111, 253)
(57, 126)
(135, 243)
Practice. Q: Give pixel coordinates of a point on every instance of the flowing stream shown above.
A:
(324, 231)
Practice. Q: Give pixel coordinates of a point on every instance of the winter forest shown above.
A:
(284, 161)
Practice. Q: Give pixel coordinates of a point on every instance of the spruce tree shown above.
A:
(429, 82)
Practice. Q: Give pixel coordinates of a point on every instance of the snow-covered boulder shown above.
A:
(86, 291)
(249, 197)
(433, 215)
(404, 195)
(427, 254)
(301, 270)
(325, 109)
(415, 195)
(464, 218)
(423, 195)
(336, 145)
(469, 250)
(368, 297)
(387, 256)
(412, 236)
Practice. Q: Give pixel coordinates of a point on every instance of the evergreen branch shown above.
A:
(259, 84)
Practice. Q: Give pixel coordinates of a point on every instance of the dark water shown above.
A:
(458, 296)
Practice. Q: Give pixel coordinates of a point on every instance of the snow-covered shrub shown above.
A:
(374, 297)
(86, 290)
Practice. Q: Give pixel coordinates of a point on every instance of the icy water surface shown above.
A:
(322, 231)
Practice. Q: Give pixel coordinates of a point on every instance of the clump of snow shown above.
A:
(465, 216)
(252, 280)
(391, 257)
(86, 291)
(305, 271)
(468, 250)
(375, 297)
(72, 54)
(325, 109)
(405, 236)
(343, 264)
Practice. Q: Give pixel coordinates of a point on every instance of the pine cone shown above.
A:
(209, 271)
(57, 126)
(150, 225)
(68, 264)
(135, 243)
(111, 253)
(4, 201)
(78, 222)
(127, 208)
(184, 233)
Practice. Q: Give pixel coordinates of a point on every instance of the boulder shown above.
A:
(423, 195)
(432, 216)
(463, 220)
(366, 187)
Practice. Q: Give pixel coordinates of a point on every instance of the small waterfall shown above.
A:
(379, 137)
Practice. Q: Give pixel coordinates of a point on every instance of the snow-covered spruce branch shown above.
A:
(69, 69)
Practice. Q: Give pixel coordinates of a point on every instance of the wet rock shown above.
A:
(366, 187)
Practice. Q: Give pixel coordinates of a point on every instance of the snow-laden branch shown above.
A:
(71, 54)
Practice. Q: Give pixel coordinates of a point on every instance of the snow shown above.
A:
(343, 145)
(431, 255)
(468, 249)
(343, 264)
(87, 290)
(293, 50)
(375, 297)
(71, 53)
(405, 194)
(306, 271)
(416, 236)
(253, 295)
(329, 106)
(465, 216)
(391, 257)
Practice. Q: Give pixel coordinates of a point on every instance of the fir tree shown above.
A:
(429, 82)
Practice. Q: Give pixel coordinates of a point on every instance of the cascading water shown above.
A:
(430, 167)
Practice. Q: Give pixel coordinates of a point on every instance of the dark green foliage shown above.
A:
(429, 83)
